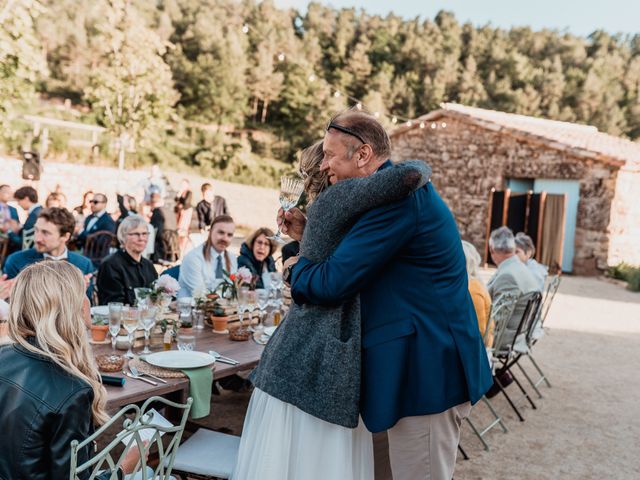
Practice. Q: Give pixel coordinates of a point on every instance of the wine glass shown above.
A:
(290, 191)
(262, 301)
(142, 296)
(250, 306)
(147, 322)
(115, 317)
(242, 302)
(130, 316)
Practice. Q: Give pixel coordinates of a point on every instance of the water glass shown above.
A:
(147, 322)
(198, 318)
(130, 321)
(262, 301)
(142, 296)
(115, 318)
(186, 342)
(243, 298)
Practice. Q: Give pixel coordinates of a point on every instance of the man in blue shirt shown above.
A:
(53, 228)
(27, 198)
(423, 361)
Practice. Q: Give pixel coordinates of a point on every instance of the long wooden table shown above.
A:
(246, 353)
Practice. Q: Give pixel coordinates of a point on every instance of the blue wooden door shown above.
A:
(571, 188)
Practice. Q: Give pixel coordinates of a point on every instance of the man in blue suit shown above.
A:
(98, 220)
(8, 214)
(423, 360)
(27, 198)
(52, 232)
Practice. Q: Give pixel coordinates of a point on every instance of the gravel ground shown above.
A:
(586, 426)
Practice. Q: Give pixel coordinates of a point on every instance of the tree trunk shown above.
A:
(255, 108)
(265, 106)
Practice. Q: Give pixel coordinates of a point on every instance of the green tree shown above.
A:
(130, 87)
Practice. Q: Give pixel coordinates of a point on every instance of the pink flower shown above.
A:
(244, 274)
(167, 284)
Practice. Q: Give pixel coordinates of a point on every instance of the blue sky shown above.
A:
(578, 17)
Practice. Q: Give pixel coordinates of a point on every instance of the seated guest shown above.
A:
(525, 250)
(512, 276)
(479, 294)
(53, 230)
(98, 220)
(27, 198)
(126, 269)
(8, 214)
(81, 212)
(50, 388)
(202, 268)
(55, 199)
(163, 219)
(257, 255)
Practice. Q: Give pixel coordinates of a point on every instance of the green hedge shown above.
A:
(628, 273)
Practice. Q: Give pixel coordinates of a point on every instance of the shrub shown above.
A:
(628, 273)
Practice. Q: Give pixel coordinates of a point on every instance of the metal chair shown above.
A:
(132, 427)
(207, 455)
(501, 312)
(28, 237)
(509, 351)
(98, 246)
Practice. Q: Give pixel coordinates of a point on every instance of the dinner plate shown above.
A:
(269, 330)
(100, 310)
(180, 359)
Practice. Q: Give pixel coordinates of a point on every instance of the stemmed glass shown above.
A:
(251, 306)
(115, 317)
(290, 191)
(130, 316)
(142, 296)
(243, 294)
(262, 301)
(147, 322)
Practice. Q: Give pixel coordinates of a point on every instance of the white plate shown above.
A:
(178, 359)
(100, 310)
(269, 330)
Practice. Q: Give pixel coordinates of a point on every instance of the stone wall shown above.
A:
(250, 206)
(468, 161)
(624, 245)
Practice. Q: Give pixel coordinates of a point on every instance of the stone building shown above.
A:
(472, 150)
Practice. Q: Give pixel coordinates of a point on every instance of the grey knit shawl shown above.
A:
(313, 359)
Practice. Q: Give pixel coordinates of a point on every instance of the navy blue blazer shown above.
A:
(105, 222)
(18, 261)
(421, 348)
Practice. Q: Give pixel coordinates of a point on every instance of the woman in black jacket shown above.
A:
(50, 389)
(256, 254)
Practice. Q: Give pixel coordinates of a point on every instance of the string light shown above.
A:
(281, 57)
(394, 119)
(245, 28)
(359, 106)
(421, 124)
(444, 124)
(312, 78)
(433, 125)
(337, 94)
(376, 114)
(409, 123)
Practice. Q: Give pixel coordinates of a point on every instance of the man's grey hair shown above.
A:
(502, 241)
(128, 224)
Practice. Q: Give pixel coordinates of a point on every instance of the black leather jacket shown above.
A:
(42, 409)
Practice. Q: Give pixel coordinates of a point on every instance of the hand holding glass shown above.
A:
(290, 191)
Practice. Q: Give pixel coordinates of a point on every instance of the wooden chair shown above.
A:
(99, 245)
(4, 248)
(170, 246)
(106, 459)
(28, 237)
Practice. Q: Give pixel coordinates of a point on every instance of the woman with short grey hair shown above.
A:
(525, 250)
(126, 269)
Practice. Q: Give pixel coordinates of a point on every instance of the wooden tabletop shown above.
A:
(247, 353)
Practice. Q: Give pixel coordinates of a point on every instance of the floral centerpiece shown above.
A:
(232, 282)
(160, 293)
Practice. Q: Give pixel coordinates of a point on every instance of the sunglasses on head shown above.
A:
(346, 130)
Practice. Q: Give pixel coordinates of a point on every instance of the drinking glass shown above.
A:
(186, 342)
(130, 320)
(262, 301)
(184, 309)
(276, 280)
(198, 318)
(243, 296)
(115, 317)
(250, 306)
(142, 296)
(290, 191)
(147, 322)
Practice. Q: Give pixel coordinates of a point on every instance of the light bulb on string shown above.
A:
(336, 94)
(245, 28)
(421, 124)
(376, 114)
(444, 124)
(359, 106)
(409, 123)
(394, 119)
(312, 78)
(281, 57)
(433, 125)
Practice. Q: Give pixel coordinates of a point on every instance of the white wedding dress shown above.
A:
(281, 442)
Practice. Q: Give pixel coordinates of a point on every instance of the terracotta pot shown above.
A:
(187, 330)
(220, 323)
(99, 332)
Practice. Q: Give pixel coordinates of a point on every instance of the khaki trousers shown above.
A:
(425, 447)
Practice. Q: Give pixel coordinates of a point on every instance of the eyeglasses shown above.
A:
(138, 234)
(346, 130)
(95, 202)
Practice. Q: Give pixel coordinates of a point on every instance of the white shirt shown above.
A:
(94, 220)
(63, 256)
(196, 274)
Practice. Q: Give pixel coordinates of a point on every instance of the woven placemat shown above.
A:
(145, 367)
